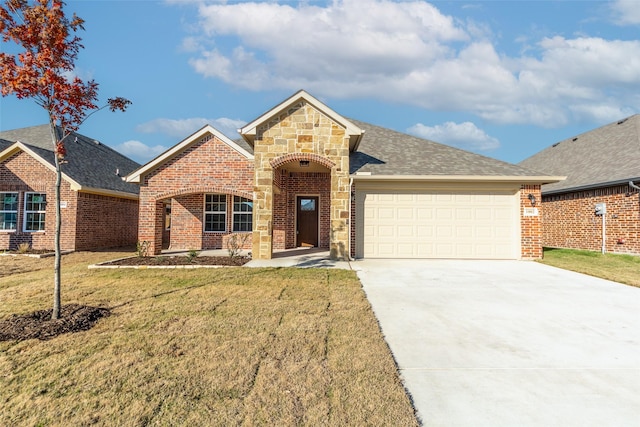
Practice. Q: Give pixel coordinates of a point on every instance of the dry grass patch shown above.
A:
(616, 267)
(234, 346)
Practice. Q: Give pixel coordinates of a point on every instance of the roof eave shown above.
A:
(105, 192)
(460, 178)
(590, 186)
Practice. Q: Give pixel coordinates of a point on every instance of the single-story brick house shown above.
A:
(303, 175)
(99, 209)
(602, 166)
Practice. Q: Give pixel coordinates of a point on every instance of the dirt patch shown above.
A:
(181, 260)
(73, 318)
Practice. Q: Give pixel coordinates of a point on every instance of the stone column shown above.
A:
(262, 211)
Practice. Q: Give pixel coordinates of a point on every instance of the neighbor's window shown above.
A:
(8, 211)
(242, 214)
(215, 212)
(34, 211)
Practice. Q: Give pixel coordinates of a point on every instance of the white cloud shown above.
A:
(139, 151)
(464, 135)
(410, 53)
(182, 128)
(626, 12)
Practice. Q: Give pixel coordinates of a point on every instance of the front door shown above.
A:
(307, 221)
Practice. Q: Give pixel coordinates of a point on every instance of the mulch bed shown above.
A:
(73, 318)
(181, 260)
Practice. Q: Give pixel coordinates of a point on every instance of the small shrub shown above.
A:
(192, 255)
(24, 248)
(235, 243)
(142, 248)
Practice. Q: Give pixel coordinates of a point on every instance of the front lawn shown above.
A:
(231, 346)
(619, 268)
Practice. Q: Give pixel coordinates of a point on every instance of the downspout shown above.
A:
(632, 185)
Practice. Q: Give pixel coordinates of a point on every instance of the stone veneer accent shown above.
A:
(301, 132)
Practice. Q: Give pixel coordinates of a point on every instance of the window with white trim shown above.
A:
(242, 214)
(215, 212)
(9, 211)
(34, 211)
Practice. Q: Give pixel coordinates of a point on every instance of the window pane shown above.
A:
(215, 215)
(35, 202)
(308, 204)
(34, 222)
(8, 221)
(214, 222)
(242, 222)
(9, 202)
(240, 204)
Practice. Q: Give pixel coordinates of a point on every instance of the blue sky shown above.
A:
(501, 78)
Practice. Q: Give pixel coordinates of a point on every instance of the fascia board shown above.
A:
(103, 192)
(460, 178)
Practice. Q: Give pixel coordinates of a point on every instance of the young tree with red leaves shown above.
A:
(41, 70)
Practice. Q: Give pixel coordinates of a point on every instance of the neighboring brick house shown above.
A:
(602, 166)
(304, 175)
(99, 209)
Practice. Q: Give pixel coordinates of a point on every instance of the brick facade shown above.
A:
(292, 185)
(569, 220)
(208, 166)
(530, 225)
(88, 221)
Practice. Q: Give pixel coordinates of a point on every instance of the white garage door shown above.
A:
(441, 224)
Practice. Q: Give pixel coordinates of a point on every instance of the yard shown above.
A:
(615, 267)
(230, 346)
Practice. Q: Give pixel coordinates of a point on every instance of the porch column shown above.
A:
(262, 211)
(340, 231)
(150, 224)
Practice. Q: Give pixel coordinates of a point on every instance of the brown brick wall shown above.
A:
(293, 185)
(22, 173)
(207, 166)
(105, 222)
(88, 221)
(530, 226)
(570, 221)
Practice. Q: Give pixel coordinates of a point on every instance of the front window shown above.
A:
(215, 212)
(34, 211)
(242, 214)
(8, 211)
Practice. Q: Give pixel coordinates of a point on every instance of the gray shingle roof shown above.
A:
(90, 163)
(387, 152)
(607, 154)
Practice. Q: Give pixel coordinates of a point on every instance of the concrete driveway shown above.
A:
(509, 343)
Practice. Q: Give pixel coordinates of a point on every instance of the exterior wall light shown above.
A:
(532, 199)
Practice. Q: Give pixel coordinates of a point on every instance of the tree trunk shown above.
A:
(55, 314)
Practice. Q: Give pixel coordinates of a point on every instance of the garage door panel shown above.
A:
(441, 225)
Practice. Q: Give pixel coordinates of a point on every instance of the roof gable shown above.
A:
(248, 131)
(91, 166)
(136, 176)
(606, 155)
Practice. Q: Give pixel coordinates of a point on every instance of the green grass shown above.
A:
(616, 267)
(232, 346)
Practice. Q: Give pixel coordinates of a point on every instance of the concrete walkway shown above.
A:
(509, 343)
(301, 258)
